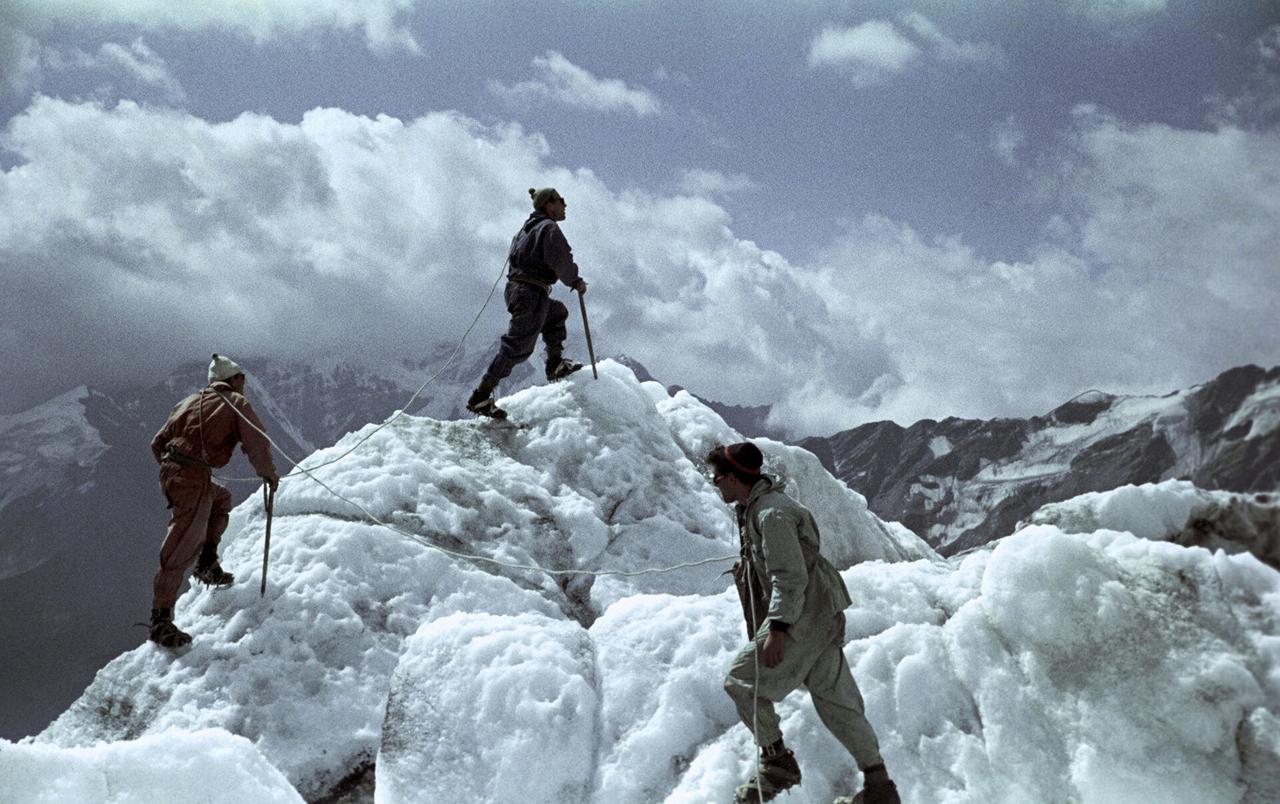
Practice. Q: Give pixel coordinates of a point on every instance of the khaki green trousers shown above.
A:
(819, 665)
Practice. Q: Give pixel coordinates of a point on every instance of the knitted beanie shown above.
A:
(223, 368)
(745, 457)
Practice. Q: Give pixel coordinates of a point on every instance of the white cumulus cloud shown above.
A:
(134, 66)
(947, 49)
(143, 64)
(869, 51)
(1007, 138)
(561, 81)
(19, 63)
(1109, 11)
(381, 21)
(134, 237)
(696, 181)
(1162, 273)
(876, 50)
(1258, 101)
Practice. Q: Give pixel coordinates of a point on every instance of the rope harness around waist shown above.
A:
(524, 280)
(183, 459)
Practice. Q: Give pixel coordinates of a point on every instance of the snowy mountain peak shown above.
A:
(605, 478)
(1223, 434)
(58, 424)
(50, 446)
(1067, 661)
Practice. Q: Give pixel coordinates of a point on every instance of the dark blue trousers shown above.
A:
(533, 313)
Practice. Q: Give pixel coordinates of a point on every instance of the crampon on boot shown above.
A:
(778, 771)
(481, 403)
(209, 571)
(560, 368)
(877, 788)
(164, 633)
(213, 575)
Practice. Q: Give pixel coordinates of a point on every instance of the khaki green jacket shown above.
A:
(792, 582)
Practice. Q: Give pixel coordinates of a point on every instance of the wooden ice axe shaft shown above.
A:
(586, 328)
(268, 502)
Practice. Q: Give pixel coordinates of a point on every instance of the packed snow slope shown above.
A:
(1177, 511)
(606, 477)
(77, 472)
(172, 766)
(1048, 667)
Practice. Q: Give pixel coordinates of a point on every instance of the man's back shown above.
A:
(208, 424)
(802, 588)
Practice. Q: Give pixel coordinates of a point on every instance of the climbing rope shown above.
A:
(755, 686)
(464, 556)
(398, 413)
(307, 471)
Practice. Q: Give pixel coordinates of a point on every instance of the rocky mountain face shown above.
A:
(960, 483)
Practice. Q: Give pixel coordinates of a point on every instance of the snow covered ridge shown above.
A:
(172, 766)
(49, 445)
(607, 477)
(1176, 511)
(960, 483)
(76, 470)
(1046, 667)
(54, 431)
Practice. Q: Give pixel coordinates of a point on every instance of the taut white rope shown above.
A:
(755, 687)
(399, 412)
(306, 470)
(465, 556)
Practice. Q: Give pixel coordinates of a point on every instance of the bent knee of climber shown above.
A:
(741, 684)
(518, 350)
(736, 687)
(221, 498)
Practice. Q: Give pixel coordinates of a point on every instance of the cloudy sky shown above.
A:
(854, 210)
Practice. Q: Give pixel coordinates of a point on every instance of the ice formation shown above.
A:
(1050, 666)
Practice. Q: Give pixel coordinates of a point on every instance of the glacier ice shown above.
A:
(1049, 666)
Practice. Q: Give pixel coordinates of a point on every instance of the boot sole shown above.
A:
(494, 412)
(216, 584)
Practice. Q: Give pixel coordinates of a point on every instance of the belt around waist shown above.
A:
(527, 281)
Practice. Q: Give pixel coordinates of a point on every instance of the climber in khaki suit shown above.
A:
(793, 601)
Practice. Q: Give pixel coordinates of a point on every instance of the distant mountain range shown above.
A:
(960, 483)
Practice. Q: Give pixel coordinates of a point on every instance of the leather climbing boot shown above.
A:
(164, 633)
(877, 788)
(559, 368)
(481, 403)
(209, 571)
(778, 771)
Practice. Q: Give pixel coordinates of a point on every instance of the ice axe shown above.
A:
(586, 328)
(268, 502)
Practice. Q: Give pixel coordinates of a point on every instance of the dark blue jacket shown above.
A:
(540, 253)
